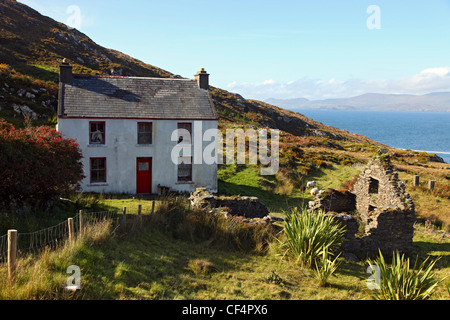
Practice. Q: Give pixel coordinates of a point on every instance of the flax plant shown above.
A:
(308, 234)
(325, 267)
(401, 282)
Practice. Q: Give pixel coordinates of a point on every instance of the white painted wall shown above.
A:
(121, 150)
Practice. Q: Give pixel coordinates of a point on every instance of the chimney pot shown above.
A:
(202, 78)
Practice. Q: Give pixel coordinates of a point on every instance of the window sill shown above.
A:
(144, 145)
(96, 146)
(184, 182)
(98, 184)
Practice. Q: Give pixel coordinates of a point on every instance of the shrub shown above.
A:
(36, 164)
(308, 234)
(401, 282)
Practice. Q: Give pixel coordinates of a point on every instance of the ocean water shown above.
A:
(422, 131)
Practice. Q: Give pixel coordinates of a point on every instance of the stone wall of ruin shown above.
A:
(384, 208)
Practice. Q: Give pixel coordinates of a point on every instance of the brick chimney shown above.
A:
(202, 78)
(65, 72)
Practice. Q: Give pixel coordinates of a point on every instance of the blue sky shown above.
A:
(281, 49)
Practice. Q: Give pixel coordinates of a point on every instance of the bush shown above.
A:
(308, 234)
(401, 282)
(36, 164)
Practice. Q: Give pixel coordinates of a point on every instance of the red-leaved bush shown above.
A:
(37, 164)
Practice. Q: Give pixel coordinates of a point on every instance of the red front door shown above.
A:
(144, 175)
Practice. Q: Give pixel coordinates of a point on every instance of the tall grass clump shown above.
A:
(44, 276)
(400, 281)
(308, 234)
(176, 218)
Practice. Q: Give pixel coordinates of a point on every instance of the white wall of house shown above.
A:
(121, 151)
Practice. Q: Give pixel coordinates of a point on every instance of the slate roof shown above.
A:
(134, 97)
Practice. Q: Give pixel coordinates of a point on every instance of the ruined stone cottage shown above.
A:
(385, 210)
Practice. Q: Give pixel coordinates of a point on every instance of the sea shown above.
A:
(419, 131)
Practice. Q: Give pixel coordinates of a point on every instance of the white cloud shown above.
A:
(270, 81)
(426, 81)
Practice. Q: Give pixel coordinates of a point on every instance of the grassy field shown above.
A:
(148, 263)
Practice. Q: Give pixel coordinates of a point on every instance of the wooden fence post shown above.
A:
(416, 181)
(12, 252)
(140, 214)
(80, 216)
(124, 218)
(71, 230)
(153, 206)
(431, 184)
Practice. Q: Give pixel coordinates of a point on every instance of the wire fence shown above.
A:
(3, 248)
(54, 236)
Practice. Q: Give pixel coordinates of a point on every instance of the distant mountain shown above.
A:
(436, 101)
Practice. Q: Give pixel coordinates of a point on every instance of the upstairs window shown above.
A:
(98, 170)
(97, 132)
(184, 132)
(185, 169)
(145, 133)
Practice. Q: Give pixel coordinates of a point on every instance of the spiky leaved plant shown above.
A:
(307, 234)
(325, 267)
(401, 282)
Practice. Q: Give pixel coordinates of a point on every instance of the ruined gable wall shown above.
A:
(390, 191)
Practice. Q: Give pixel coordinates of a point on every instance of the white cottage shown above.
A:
(124, 127)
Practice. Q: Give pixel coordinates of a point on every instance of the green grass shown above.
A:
(334, 176)
(37, 71)
(246, 180)
(150, 264)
